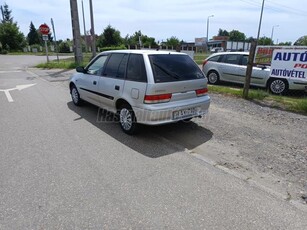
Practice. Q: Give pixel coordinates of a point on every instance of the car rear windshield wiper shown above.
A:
(169, 73)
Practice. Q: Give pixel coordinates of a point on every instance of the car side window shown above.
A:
(214, 58)
(96, 67)
(136, 68)
(232, 59)
(244, 59)
(114, 67)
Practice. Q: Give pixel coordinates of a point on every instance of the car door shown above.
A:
(111, 82)
(230, 68)
(88, 84)
(259, 74)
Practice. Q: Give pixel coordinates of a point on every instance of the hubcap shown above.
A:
(74, 95)
(125, 119)
(278, 86)
(212, 78)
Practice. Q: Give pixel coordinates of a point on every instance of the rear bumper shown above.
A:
(163, 113)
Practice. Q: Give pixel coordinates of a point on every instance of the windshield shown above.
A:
(169, 67)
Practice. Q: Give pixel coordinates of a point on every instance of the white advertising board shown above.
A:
(290, 64)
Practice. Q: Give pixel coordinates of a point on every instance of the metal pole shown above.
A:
(55, 43)
(260, 21)
(273, 33)
(85, 37)
(208, 29)
(46, 47)
(92, 30)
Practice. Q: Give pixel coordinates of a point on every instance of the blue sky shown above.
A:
(185, 19)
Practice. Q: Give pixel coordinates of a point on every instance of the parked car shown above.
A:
(231, 67)
(143, 87)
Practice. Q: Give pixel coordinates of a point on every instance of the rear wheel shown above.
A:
(127, 119)
(213, 77)
(278, 86)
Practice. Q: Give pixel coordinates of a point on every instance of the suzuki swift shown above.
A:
(143, 87)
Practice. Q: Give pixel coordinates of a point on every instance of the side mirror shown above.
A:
(80, 69)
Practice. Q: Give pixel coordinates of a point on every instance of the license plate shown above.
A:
(184, 113)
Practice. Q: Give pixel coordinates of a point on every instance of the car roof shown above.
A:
(142, 52)
(224, 53)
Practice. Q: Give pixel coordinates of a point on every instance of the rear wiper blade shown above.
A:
(169, 73)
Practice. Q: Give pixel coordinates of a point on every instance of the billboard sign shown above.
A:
(291, 64)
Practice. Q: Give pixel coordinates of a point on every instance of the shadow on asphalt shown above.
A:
(151, 141)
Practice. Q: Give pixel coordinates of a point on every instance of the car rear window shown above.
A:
(170, 67)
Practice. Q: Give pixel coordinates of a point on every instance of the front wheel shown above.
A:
(278, 86)
(127, 120)
(75, 96)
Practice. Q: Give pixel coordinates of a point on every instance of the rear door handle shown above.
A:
(117, 87)
(94, 82)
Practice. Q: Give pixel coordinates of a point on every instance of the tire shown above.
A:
(127, 119)
(75, 96)
(213, 78)
(278, 86)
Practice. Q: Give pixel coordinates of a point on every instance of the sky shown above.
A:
(162, 19)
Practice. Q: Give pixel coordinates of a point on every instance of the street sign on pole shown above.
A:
(44, 29)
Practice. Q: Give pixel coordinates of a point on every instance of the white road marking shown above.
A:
(11, 71)
(18, 87)
(8, 95)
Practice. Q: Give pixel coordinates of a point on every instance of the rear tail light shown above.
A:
(201, 92)
(153, 99)
(204, 63)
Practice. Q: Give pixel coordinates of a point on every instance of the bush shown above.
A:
(122, 47)
(64, 48)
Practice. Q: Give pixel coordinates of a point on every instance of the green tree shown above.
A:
(33, 36)
(6, 14)
(172, 41)
(10, 37)
(302, 41)
(285, 43)
(223, 32)
(237, 36)
(138, 37)
(265, 41)
(110, 37)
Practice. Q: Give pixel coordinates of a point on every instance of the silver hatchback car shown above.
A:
(231, 67)
(143, 87)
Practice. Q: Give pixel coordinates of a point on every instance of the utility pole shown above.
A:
(76, 31)
(55, 43)
(249, 68)
(251, 58)
(93, 31)
(85, 37)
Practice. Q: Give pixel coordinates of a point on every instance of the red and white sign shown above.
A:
(44, 29)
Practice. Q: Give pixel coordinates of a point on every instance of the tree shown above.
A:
(223, 32)
(265, 41)
(285, 43)
(10, 36)
(138, 37)
(33, 36)
(172, 41)
(302, 41)
(237, 36)
(110, 37)
(6, 14)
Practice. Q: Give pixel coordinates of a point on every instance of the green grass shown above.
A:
(67, 63)
(293, 104)
(200, 57)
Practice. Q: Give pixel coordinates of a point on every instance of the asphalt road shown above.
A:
(61, 167)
